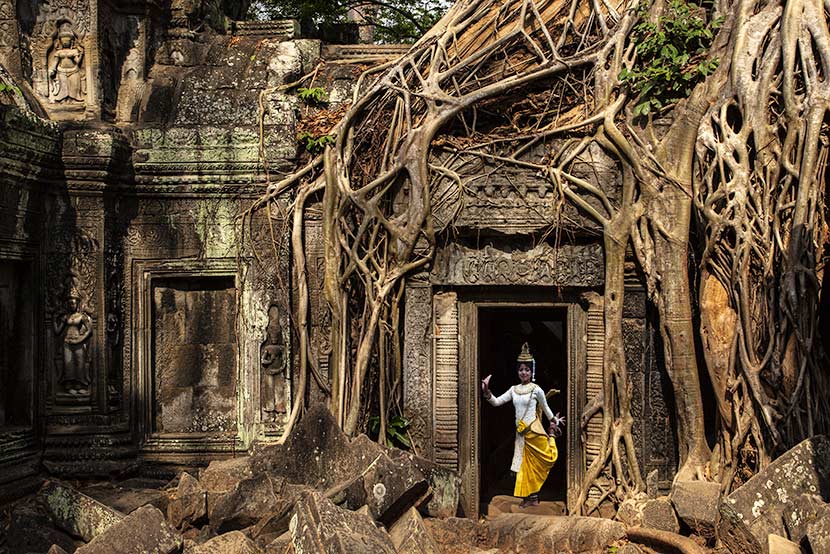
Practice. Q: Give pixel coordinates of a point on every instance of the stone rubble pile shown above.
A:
(323, 492)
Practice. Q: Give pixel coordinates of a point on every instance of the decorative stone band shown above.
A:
(280, 28)
(348, 52)
(544, 265)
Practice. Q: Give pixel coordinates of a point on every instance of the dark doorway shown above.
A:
(502, 331)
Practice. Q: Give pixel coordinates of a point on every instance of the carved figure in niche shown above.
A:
(65, 64)
(75, 328)
(273, 360)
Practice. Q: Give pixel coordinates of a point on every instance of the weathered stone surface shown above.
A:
(555, 534)
(145, 531)
(803, 510)
(629, 549)
(658, 513)
(320, 526)
(697, 503)
(780, 545)
(128, 495)
(223, 475)
(76, 513)
(316, 453)
(818, 535)
(55, 549)
(502, 504)
(409, 536)
(759, 507)
(390, 488)
(249, 501)
(188, 503)
(234, 542)
(445, 484)
(31, 530)
(456, 535)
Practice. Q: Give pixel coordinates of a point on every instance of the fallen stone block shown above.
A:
(697, 504)
(76, 513)
(188, 503)
(249, 501)
(658, 513)
(55, 549)
(31, 530)
(280, 545)
(409, 536)
(818, 535)
(801, 512)
(758, 508)
(128, 495)
(223, 475)
(444, 484)
(575, 534)
(457, 535)
(316, 453)
(319, 526)
(780, 545)
(145, 531)
(234, 542)
(391, 487)
(503, 504)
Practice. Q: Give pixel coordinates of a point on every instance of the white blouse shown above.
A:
(525, 405)
(524, 402)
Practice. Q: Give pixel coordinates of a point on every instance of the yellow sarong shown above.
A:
(538, 457)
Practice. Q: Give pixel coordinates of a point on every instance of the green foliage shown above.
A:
(313, 95)
(395, 431)
(394, 21)
(9, 88)
(314, 144)
(671, 55)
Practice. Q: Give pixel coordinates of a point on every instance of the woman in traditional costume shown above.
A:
(534, 450)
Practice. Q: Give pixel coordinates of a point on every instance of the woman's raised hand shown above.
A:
(485, 386)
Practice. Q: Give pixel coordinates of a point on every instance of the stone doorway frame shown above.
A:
(170, 447)
(469, 398)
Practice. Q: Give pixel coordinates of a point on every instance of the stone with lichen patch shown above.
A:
(77, 513)
(145, 531)
(759, 507)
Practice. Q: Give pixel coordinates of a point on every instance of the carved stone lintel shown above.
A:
(544, 265)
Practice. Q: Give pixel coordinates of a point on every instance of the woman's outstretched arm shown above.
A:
(495, 401)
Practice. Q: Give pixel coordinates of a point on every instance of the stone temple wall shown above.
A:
(144, 314)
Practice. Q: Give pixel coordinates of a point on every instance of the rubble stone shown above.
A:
(757, 509)
(126, 496)
(456, 535)
(31, 530)
(234, 542)
(391, 487)
(145, 531)
(188, 503)
(76, 513)
(818, 535)
(697, 505)
(223, 475)
(802, 511)
(445, 484)
(780, 545)
(410, 536)
(249, 501)
(320, 526)
(651, 513)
